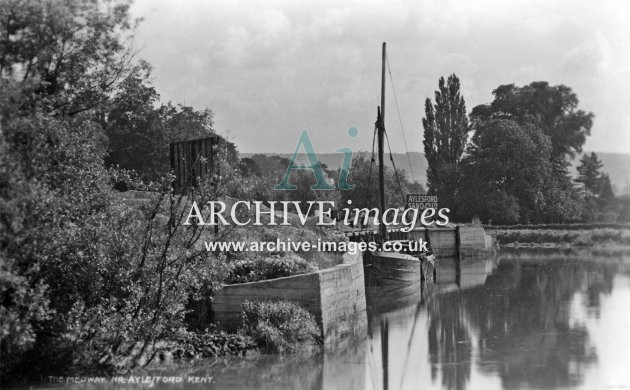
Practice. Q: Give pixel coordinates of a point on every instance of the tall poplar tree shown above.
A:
(446, 131)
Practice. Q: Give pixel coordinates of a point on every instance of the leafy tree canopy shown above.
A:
(505, 171)
(70, 55)
(553, 108)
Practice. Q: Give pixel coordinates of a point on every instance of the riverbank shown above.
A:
(529, 305)
(571, 237)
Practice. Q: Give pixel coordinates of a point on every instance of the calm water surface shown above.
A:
(512, 322)
(537, 321)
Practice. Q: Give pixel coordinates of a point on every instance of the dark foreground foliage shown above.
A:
(252, 270)
(280, 326)
(209, 343)
(90, 280)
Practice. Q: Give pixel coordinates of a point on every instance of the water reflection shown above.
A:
(513, 325)
(519, 321)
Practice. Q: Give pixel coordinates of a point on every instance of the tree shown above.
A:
(185, 122)
(134, 127)
(445, 136)
(139, 130)
(88, 279)
(263, 172)
(589, 174)
(364, 175)
(22, 303)
(598, 197)
(70, 54)
(606, 193)
(552, 108)
(504, 172)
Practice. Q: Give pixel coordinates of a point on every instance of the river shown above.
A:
(514, 321)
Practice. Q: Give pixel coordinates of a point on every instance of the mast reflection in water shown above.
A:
(522, 323)
(535, 321)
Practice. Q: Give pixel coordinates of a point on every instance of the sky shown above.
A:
(269, 69)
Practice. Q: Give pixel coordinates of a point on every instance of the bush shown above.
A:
(252, 270)
(88, 280)
(280, 326)
(207, 343)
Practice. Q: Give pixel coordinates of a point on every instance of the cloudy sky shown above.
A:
(269, 69)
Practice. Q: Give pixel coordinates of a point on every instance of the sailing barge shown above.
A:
(392, 272)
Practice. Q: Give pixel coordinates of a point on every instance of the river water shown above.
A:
(513, 321)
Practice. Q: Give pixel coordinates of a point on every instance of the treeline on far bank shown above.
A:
(504, 163)
(507, 162)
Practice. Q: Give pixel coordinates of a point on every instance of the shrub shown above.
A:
(251, 270)
(207, 343)
(89, 280)
(280, 326)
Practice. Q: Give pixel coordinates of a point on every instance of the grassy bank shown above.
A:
(558, 238)
(560, 226)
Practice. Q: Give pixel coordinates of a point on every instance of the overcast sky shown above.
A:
(269, 69)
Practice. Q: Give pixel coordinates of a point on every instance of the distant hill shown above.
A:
(334, 160)
(617, 165)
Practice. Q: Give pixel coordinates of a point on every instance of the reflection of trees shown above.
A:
(449, 342)
(600, 283)
(520, 322)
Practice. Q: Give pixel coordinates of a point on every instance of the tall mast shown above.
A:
(381, 135)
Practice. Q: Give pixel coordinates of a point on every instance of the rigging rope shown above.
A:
(367, 195)
(391, 158)
(389, 68)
